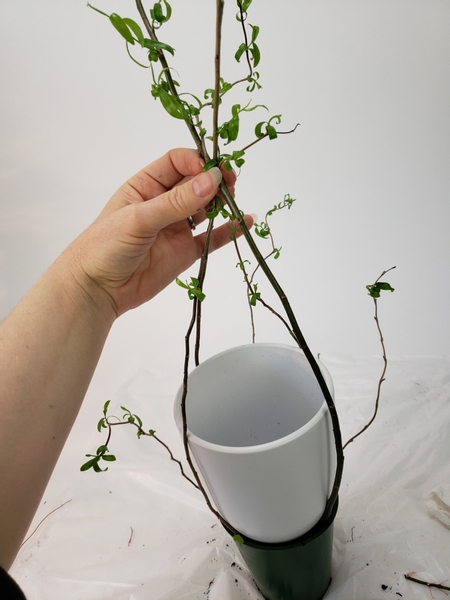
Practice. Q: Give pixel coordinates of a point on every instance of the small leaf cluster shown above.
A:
(95, 460)
(374, 290)
(192, 288)
(254, 295)
(229, 130)
(101, 454)
(218, 208)
(266, 128)
(251, 48)
(132, 32)
(160, 13)
(263, 230)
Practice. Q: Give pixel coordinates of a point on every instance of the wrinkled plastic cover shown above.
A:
(140, 531)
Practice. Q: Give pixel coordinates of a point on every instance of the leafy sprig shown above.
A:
(193, 288)
(128, 418)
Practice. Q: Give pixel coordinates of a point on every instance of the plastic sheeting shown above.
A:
(140, 531)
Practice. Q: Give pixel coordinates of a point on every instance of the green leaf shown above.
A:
(255, 295)
(171, 104)
(253, 80)
(262, 229)
(181, 284)
(375, 289)
(157, 13)
(109, 457)
(156, 45)
(97, 469)
(255, 32)
(241, 264)
(87, 465)
(210, 164)
(212, 212)
(102, 449)
(271, 132)
(256, 54)
(238, 538)
(101, 424)
(121, 27)
(105, 407)
(240, 51)
(385, 286)
(135, 29)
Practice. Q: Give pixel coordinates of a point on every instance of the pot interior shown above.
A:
(252, 395)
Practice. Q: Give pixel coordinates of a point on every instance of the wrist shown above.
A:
(82, 291)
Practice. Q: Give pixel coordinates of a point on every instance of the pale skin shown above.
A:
(51, 342)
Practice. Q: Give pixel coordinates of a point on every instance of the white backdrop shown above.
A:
(369, 81)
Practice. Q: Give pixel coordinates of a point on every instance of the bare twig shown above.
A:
(245, 148)
(383, 373)
(219, 16)
(153, 435)
(439, 586)
(248, 280)
(40, 523)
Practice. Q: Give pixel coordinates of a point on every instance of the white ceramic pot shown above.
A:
(261, 434)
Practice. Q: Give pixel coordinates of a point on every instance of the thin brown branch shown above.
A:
(40, 523)
(249, 281)
(184, 419)
(249, 287)
(429, 584)
(143, 432)
(219, 17)
(244, 31)
(245, 148)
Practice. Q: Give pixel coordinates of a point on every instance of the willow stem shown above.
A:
(298, 336)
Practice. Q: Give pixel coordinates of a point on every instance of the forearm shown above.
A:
(49, 348)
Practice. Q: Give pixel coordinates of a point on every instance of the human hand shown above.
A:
(142, 240)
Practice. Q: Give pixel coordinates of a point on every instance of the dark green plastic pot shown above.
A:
(296, 570)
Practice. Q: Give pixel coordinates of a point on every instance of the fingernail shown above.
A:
(205, 183)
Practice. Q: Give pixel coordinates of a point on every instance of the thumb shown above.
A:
(181, 201)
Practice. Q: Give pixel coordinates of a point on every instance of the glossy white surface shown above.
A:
(261, 434)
